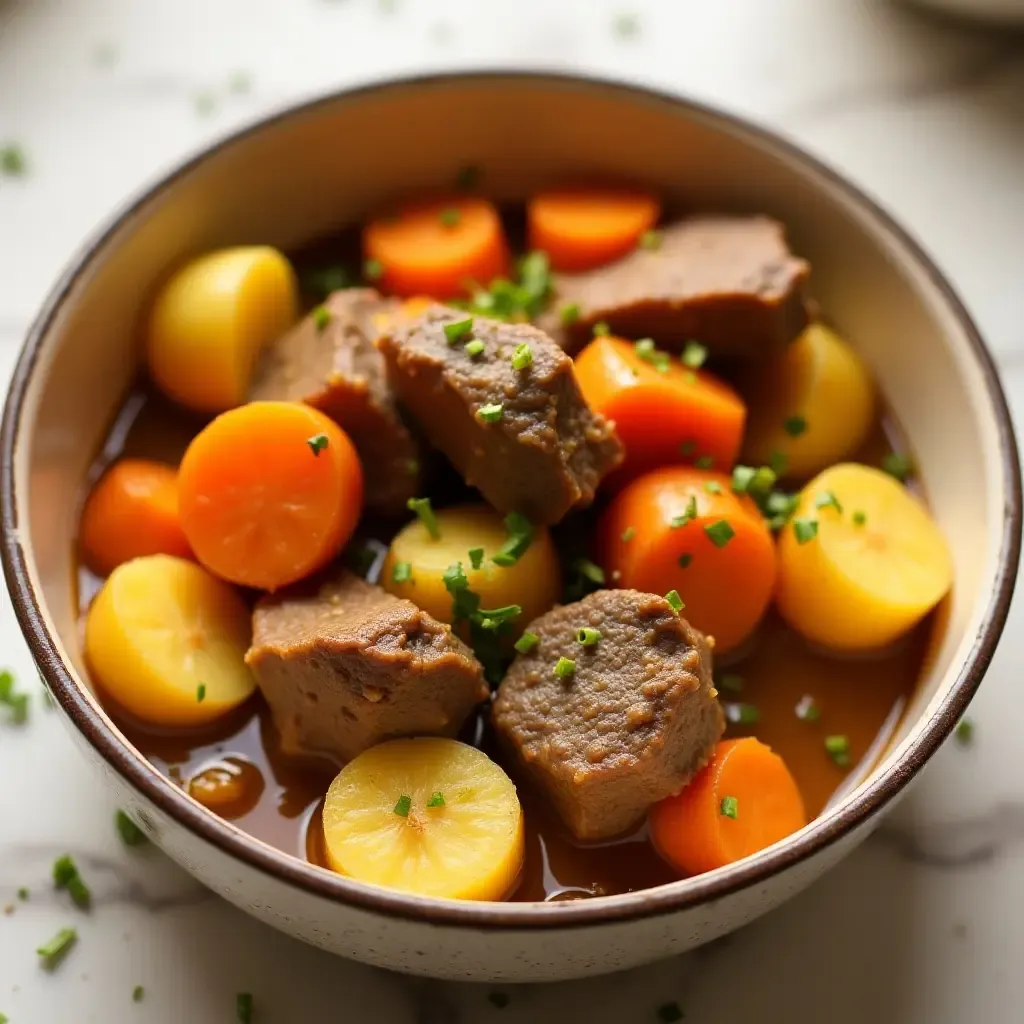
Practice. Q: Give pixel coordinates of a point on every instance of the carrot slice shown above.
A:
(438, 247)
(582, 227)
(684, 529)
(132, 511)
(744, 800)
(664, 412)
(269, 492)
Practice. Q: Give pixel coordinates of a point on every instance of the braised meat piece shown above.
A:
(630, 724)
(346, 665)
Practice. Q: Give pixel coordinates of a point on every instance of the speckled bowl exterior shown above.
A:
(324, 164)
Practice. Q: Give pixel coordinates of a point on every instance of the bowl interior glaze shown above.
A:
(325, 165)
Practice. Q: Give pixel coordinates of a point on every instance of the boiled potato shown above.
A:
(212, 318)
(430, 816)
(813, 405)
(873, 566)
(167, 641)
(534, 581)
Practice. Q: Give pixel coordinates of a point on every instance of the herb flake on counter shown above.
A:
(520, 537)
(807, 709)
(742, 714)
(901, 467)
(694, 355)
(586, 636)
(964, 732)
(490, 413)
(244, 1007)
(730, 807)
(436, 799)
(651, 240)
(321, 317)
(66, 876)
(13, 163)
(805, 529)
(401, 572)
(676, 603)
(526, 643)
(565, 668)
(130, 833)
(476, 557)
(200, 693)
(669, 1013)
(52, 953)
(838, 748)
(317, 443)
(474, 348)
(522, 357)
(457, 330)
(826, 499)
(425, 511)
(403, 806)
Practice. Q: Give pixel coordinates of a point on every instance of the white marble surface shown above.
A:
(923, 924)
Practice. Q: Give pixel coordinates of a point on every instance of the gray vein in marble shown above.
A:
(960, 843)
(965, 76)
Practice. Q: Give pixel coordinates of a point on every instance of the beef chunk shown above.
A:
(730, 283)
(631, 726)
(329, 361)
(544, 453)
(347, 665)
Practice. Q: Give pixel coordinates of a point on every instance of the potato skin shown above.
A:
(212, 318)
(534, 582)
(820, 380)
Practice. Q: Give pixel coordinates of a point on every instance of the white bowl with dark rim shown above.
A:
(324, 164)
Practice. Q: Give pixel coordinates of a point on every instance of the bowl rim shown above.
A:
(673, 897)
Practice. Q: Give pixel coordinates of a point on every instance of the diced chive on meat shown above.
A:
(522, 357)
(474, 348)
(587, 636)
(458, 330)
(690, 512)
(321, 317)
(527, 642)
(675, 601)
(490, 413)
(565, 668)
(569, 313)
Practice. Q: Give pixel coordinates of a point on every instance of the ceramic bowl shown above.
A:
(323, 165)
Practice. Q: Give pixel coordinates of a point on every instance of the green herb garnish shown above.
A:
(720, 533)
(569, 313)
(16, 703)
(690, 512)
(805, 529)
(807, 709)
(675, 601)
(520, 537)
(826, 499)
(200, 693)
(742, 477)
(66, 876)
(704, 462)
(244, 1007)
(713, 487)
(859, 518)
(694, 355)
(898, 466)
(647, 351)
(425, 511)
(730, 682)
(522, 357)
(317, 443)
(476, 557)
(130, 833)
(401, 572)
(628, 534)
(684, 560)
(403, 806)
(493, 618)
(450, 217)
(651, 240)
(601, 329)
(457, 330)
(730, 807)
(778, 462)
(23, 893)
(436, 799)
(527, 642)
(589, 570)
(838, 748)
(794, 425)
(321, 317)
(53, 952)
(474, 348)
(322, 281)
(742, 714)
(565, 668)
(490, 413)
(137, 994)
(587, 636)
(964, 732)
(373, 270)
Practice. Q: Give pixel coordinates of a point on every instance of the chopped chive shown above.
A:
(425, 511)
(838, 748)
(898, 466)
(778, 462)
(401, 572)
(527, 642)
(720, 533)
(450, 217)
(742, 478)
(565, 668)
(589, 570)
(468, 178)
(490, 413)
(805, 529)
(19, 708)
(964, 732)
(476, 557)
(601, 329)
(205, 103)
(403, 806)
(522, 357)
(569, 313)
(731, 682)
(373, 270)
(859, 518)
(53, 952)
(687, 448)
(317, 443)
(240, 82)
(628, 534)
(200, 693)
(826, 499)
(669, 1013)
(730, 807)
(704, 462)
(690, 512)
(675, 601)
(713, 487)
(742, 714)
(436, 799)
(244, 1007)
(651, 240)
(694, 355)
(474, 348)
(130, 833)
(794, 425)
(137, 994)
(626, 26)
(684, 560)
(498, 1000)
(807, 709)
(457, 330)
(321, 317)
(494, 618)
(650, 353)
(454, 578)
(587, 636)
(520, 537)
(23, 893)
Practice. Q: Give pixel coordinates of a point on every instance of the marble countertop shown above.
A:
(922, 925)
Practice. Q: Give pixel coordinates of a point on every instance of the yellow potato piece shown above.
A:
(211, 320)
(872, 571)
(162, 628)
(822, 382)
(534, 582)
(471, 848)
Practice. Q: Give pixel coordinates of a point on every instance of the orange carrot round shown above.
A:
(437, 247)
(743, 800)
(269, 492)
(132, 511)
(684, 529)
(665, 412)
(585, 226)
